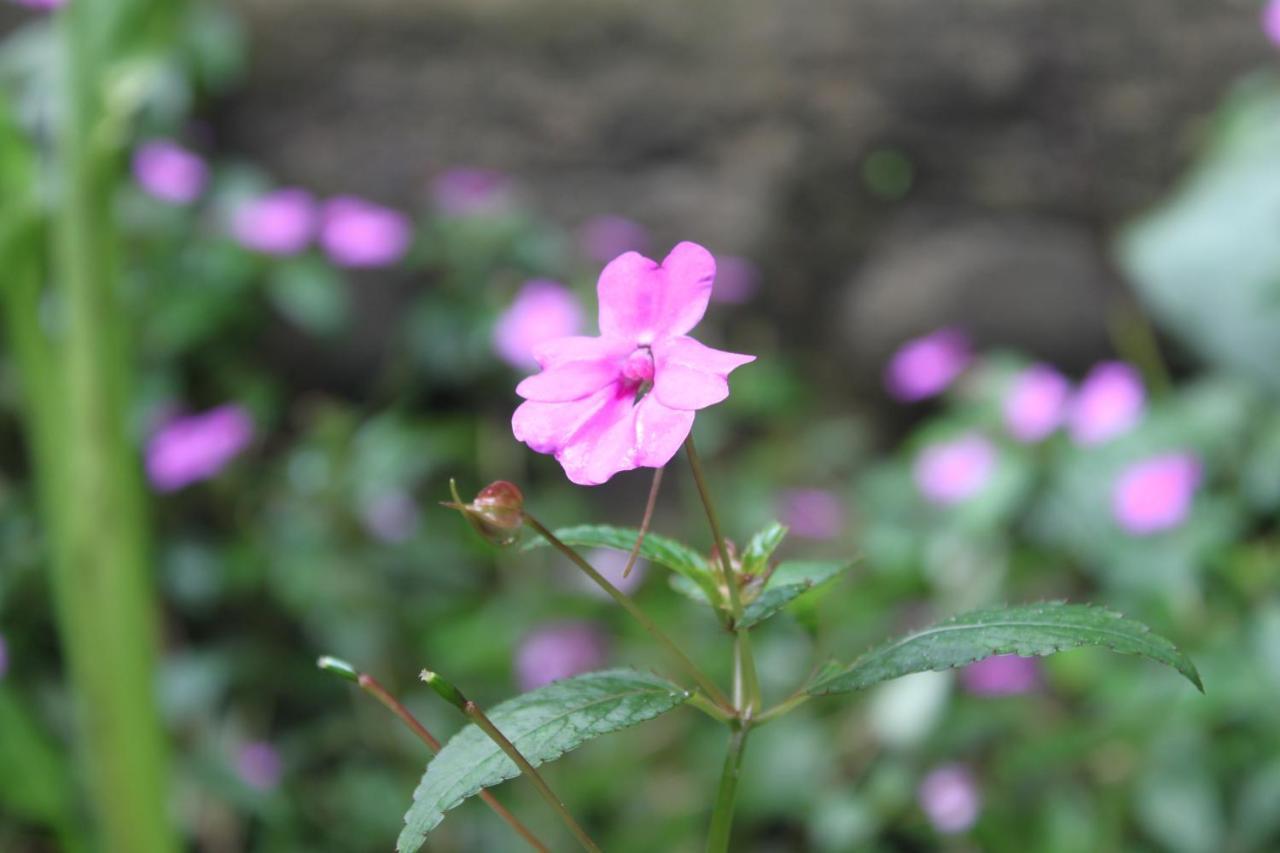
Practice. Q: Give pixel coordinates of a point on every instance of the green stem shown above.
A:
(726, 570)
(783, 708)
(639, 615)
(722, 817)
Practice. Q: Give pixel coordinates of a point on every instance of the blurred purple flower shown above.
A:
(259, 766)
(466, 191)
(278, 223)
(610, 563)
(1156, 494)
(392, 516)
(1109, 403)
(4, 657)
(358, 233)
(812, 513)
(167, 171)
(542, 311)
(925, 367)
(1002, 675)
(737, 280)
(558, 650)
(1271, 21)
(195, 447)
(1036, 403)
(41, 4)
(950, 798)
(954, 471)
(603, 238)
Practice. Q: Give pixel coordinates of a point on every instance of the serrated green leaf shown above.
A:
(755, 557)
(1033, 629)
(656, 549)
(543, 724)
(788, 581)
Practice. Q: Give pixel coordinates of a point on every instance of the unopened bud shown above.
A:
(447, 691)
(338, 667)
(497, 513)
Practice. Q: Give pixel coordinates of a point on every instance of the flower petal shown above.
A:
(570, 381)
(603, 446)
(690, 375)
(579, 348)
(660, 431)
(644, 302)
(547, 427)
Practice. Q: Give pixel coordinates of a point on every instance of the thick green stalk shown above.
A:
(95, 500)
(722, 817)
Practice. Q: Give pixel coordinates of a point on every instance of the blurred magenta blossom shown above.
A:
(1001, 675)
(542, 311)
(610, 564)
(259, 766)
(4, 657)
(603, 238)
(358, 233)
(167, 171)
(737, 280)
(1036, 403)
(195, 447)
(950, 799)
(559, 650)
(582, 407)
(1110, 402)
(812, 513)
(951, 472)
(1271, 21)
(926, 366)
(278, 223)
(467, 191)
(391, 517)
(1156, 494)
(41, 4)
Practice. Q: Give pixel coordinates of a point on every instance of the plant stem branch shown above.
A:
(718, 836)
(784, 707)
(644, 522)
(639, 615)
(371, 686)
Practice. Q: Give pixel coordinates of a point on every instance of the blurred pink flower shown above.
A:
(1001, 675)
(925, 367)
(359, 233)
(951, 472)
(195, 447)
(610, 564)
(559, 650)
(582, 407)
(950, 799)
(542, 311)
(603, 238)
(169, 172)
(41, 4)
(1271, 21)
(1109, 403)
(1036, 403)
(278, 223)
(4, 657)
(391, 517)
(812, 513)
(259, 766)
(737, 280)
(1156, 494)
(467, 191)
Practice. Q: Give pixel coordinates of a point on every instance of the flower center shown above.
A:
(638, 368)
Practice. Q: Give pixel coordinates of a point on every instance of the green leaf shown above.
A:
(788, 581)
(755, 558)
(656, 549)
(543, 724)
(311, 294)
(1033, 629)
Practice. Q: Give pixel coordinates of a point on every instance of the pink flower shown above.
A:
(559, 650)
(1036, 403)
(605, 237)
(359, 233)
(467, 192)
(259, 766)
(954, 471)
(1001, 675)
(278, 223)
(542, 311)
(169, 172)
(193, 448)
(737, 282)
(1109, 403)
(4, 657)
(927, 366)
(41, 4)
(812, 513)
(1271, 21)
(583, 406)
(391, 517)
(950, 799)
(1155, 494)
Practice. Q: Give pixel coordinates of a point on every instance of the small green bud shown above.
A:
(447, 691)
(340, 668)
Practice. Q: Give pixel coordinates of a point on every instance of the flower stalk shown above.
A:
(719, 835)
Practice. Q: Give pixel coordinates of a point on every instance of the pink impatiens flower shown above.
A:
(586, 408)
(951, 472)
(359, 233)
(559, 650)
(927, 366)
(950, 798)
(195, 447)
(812, 513)
(1155, 494)
(1001, 675)
(1110, 402)
(1036, 403)
(542, 311)
(278, 223)
(169, 172)
(1271, 21)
